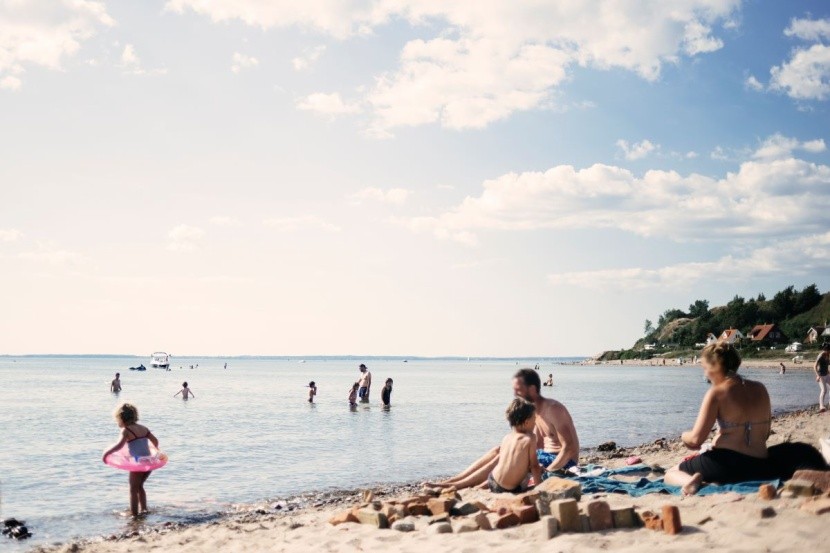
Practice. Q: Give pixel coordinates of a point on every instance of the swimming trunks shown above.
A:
(495, 487)
(546, 458)
(726, 466)
(363, 392)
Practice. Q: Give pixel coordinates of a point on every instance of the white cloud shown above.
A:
(804, 255)
(395, 196)
(224, 221)
(779, 146)
(771, 194)
(131, 63)
(691, 155)
(753, 84)
(806, 76)
(184, 238)
(718, 154)
(809, 29)
(638, 150)
(9, 235)
(308, 58)
(241, 61)
(305, 222)
(49, 253)
(44, 33)
(327, 104)
(480, 62)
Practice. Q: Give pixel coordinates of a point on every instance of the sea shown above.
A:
(250, 435)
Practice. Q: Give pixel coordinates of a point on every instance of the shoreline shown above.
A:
(313, 508)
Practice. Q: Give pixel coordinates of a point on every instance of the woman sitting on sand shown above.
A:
(743, 412)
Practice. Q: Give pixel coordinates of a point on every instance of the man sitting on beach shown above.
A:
(556, 440)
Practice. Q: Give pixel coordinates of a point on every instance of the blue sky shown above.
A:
(402, 176)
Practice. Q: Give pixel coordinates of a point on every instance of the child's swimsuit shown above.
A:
(138, 447)
(495, 487)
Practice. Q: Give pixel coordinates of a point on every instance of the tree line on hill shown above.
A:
(793, 311)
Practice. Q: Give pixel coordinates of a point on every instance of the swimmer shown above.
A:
(136, 437)
(312, 391)
(185, 392)
(115, 385)
(353, 395)
(549, 381)
(386, 393)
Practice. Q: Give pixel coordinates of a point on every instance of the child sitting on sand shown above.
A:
(312, 391)
(185, 392)
(517, 454)
(353, 395)
(136, 436)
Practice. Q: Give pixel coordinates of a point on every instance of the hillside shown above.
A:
(793, 311)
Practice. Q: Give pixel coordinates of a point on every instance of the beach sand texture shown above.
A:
(726, 522)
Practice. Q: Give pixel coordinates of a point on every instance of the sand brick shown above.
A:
(766, 492)
(600, 514)
(566, 512)
(671, 519)
(819, 478)
(624, 517)
(527, 514)
(559, 488)
(550, 527)
(343, 517)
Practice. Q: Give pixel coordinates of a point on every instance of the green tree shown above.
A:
(648, 328)
(699, 308)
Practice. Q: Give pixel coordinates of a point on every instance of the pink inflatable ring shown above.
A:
(122, 459)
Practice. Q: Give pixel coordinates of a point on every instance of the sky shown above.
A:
(402, 177)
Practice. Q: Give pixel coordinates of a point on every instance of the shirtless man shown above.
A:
(365, 383)
(556, 440)
(115, 386)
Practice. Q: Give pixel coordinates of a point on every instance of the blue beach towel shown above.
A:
(603, 483)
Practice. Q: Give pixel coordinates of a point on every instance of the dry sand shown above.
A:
(727, 522)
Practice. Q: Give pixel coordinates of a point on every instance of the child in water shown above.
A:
(312, 391)
(386, 393)
(136, 436)
(353, 395)
(185, 392)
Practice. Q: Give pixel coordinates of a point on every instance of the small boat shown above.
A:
(301, 361)
(139, 368)
(160, 360)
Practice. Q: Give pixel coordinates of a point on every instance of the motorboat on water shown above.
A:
(160, 360)
(139, 368)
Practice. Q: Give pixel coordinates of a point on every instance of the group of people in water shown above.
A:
(186, 392)
(543, 438)
(360, 390)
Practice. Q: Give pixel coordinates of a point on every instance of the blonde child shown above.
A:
(138, 438)
(353, 395)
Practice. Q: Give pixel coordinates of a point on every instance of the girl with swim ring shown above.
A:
(138, 457)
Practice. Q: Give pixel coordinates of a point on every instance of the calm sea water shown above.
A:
(251, 435)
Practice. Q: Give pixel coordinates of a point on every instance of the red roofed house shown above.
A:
(731, 336)
(767, 333)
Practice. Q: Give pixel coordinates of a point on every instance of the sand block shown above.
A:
(671, 519)
(450, 493)
(527, 514)
(482, 521)
(440, 506)
(418, 509)
(550, 527)
(372, 518)
(343, 517)
(507, 521)
(559, 488)
(465, 509)
(585, 523)
(403, 526)
(817, 506)
(441, 528)
(799, 488)
(624, 517)
(481, 506)
(566, 512)
(511, 502)
(819, 478)
(651, 520)
(466, 525)
(600, 514)
(766, 492)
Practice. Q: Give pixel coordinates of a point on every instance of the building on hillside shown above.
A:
(732, 336)
(711, 339)
(769, 334)
(816, 333)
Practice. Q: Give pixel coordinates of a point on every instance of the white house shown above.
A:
(731, 335)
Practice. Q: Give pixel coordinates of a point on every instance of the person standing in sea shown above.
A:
(365, 383)
(115, 385)
(822, 368)
(386, 393)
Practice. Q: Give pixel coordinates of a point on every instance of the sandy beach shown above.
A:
(724, 522)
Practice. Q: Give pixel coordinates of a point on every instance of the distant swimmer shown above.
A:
(115, 386)
(353, 395)
(364, 384)
(312, 391)
(186, 392)
(783, 368)
(386, 393)
(226, 365)
(549, 381)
